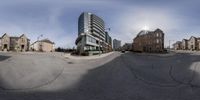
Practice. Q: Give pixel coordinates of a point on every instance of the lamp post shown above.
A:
(39, 42)
(108, 29)
(170, 44)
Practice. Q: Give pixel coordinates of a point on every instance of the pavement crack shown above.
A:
(146, 81)
(189, 83)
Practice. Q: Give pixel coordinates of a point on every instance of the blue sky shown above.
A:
(57, 19)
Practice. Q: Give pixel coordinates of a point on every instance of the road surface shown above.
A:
(119, 76)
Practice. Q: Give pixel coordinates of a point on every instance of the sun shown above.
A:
(145, 28)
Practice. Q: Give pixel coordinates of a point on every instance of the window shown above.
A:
(23, 40)
(157, 34)
(90, 39)
(157, 40)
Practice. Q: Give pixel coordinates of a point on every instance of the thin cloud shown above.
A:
(57, 19)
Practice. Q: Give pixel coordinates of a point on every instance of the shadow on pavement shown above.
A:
(129, 77)
(2, 57)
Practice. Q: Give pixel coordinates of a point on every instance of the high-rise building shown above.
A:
(91, 34)
(108, 40)
(116, 44)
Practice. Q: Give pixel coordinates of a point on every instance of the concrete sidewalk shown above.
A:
(87, 57)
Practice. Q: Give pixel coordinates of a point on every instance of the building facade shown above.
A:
(198, 44)
(9, 43)
(149, 41)
(44, 45)
(108, 41)
(127, 47)
(192, 44)
(184, 44)
(116, 44)
(177, 45)
(92, 38)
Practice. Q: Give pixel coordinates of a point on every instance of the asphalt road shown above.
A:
(118, 76)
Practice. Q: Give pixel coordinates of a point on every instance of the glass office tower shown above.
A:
(91, 34)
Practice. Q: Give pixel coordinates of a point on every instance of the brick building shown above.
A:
(149, 41)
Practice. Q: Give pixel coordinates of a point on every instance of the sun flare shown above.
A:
(145, 28)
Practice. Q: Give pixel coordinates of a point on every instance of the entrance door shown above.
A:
(22, 48)
(5, 47)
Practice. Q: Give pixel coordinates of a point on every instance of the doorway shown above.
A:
(22, 48)
(5, 47)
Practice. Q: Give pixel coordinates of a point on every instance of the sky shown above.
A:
(57, 20)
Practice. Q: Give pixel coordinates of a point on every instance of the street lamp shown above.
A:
(170, 44)
(38, 41)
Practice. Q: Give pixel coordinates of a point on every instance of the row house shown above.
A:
(149, 41)
(10, 43)
(177, 45)
(184, 44)
(192, 44)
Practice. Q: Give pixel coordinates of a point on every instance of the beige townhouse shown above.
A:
(198, 43)
(10, 43)
(44, 45)
(192, 43)
(177, 45)
(184, 44)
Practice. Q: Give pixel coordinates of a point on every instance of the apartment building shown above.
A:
(127, 47)
(198, 44)
(177, 45)
(44, 45)
(193, 43)
(92, 38)
(11, 43)
(149, 41)
(108, 42)
(116, 44)
(184, 44)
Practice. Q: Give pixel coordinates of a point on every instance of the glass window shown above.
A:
(157, 40)
(157, 34)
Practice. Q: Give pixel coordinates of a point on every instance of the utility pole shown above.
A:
(39, 42)
(170, 45)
